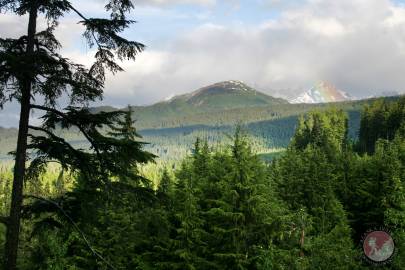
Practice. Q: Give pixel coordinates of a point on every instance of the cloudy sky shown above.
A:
(281, 47)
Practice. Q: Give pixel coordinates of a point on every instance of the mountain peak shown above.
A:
(322, 92)
(239, 85)
(225, 87)
(225, 95)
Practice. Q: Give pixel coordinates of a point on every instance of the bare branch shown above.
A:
(77, 12)
(84, 18)
(98, 255)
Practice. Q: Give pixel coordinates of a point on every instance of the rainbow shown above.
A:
(326, 92)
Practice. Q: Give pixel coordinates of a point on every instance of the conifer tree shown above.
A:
(307, 177)
(165, 184)
(31, 65)
(201, 158)
(125, 128)
(376, 176)
(380, 120)
(327, 130)
(106, 186)
(126, 131)
(189, 230)
(239, 213)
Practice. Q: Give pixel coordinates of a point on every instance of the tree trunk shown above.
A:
(302, 240)
(13, 226)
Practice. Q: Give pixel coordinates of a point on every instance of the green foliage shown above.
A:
(326, 130)
(172, 136)
(308, 175)
(380, 120)
(31, 66)
(222, 207)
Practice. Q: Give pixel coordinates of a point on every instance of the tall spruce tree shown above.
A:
(125, 129)
(308, 176)
(32, 66)
(238, 207)
(327, 130)
(375, 175)
(165, 187)
(380, 120)
(189, 230)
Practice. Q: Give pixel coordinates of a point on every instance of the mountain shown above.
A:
(225, 95)
(211, 112)
(223, 103)
(322, 92)
(222, 96)
(219, 97)
(8, 140)
(387, 94)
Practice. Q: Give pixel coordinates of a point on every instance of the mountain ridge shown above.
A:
(212, 105)
(172, 135)
(212, 99)
(237, 93)
(222, 95)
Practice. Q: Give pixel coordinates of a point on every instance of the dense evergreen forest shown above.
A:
(223, 207)
(103, 198)
(171, 136)
(174, 142)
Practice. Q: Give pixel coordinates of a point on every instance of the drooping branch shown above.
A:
(53, 136)
(76, 227)
(104, 33)
(84, 18)
(88, 124)
(77, 12)
(77, 153)
(63, 115)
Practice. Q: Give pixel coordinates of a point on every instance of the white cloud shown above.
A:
(12, 25)
(175, 2)
(396, 18)
(155, 3)
(359, 45)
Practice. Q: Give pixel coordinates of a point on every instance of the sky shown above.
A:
(280, 47)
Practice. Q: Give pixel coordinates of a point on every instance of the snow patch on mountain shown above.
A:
(322, 92)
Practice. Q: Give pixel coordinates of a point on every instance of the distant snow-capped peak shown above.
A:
(170, 97)
(322, 92)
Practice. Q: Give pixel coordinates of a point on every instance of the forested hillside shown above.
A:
(171, 129)
(224, 208)
(211, 112)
